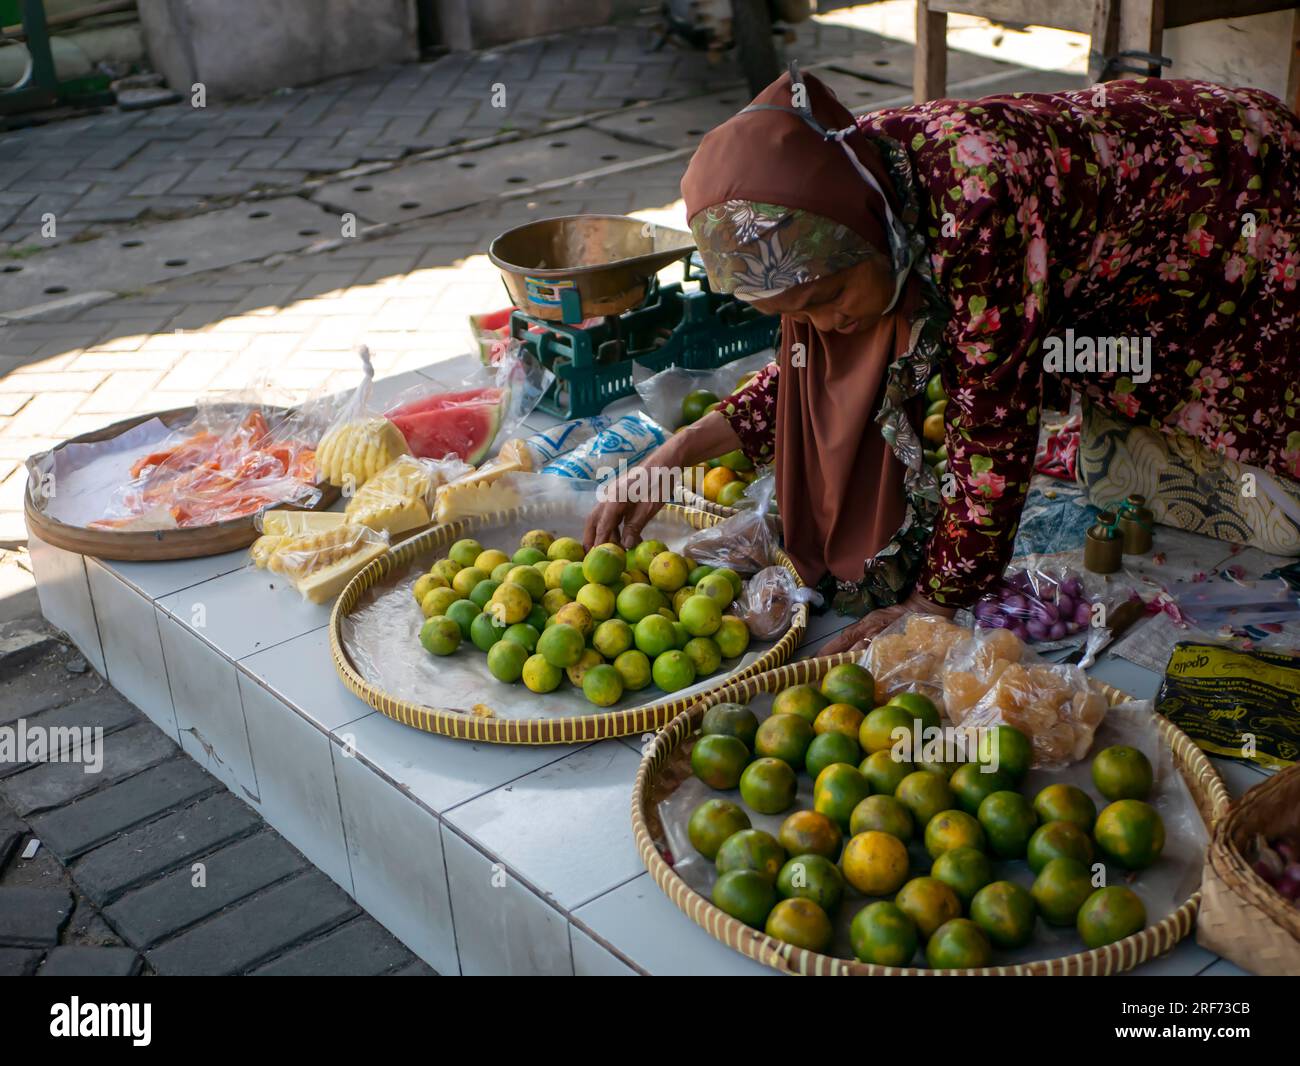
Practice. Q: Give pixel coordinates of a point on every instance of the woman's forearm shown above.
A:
(708, 438)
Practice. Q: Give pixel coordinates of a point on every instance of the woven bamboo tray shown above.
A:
(690, 498)
(565, 729)
(651, 784)
(1242, 917)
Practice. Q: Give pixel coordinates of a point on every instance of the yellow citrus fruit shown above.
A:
(566, 549)
(731, 493)
(803, 700)
(578, 671)
(537, 538)
(436, 601)
(634, 668)
(490, 559)
(466, 579)
(800, 922)
(599, 601)
(603, 686)
(554, 600)
(541, 676)
(554, 573)
(932, 429)
(929, 903)
(839, 718)
(810, 833)
(732, 637)
(875, 863)
(510, 603)
(424, 584)
(576, 615)
(668, 571)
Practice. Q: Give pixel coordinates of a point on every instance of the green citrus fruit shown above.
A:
(1121, 772)
(500, 571)
(485, 631)
(1009, 821)
(522, 633)
(1005, 748)
(850, 683)
(481, 594)
(441, 635)
(839, 788)
(924, 795)
(644, 554)
(572, 579)
(717, 588)
(701, 616)
(561, 645)
(1130, 833)
(653, 635)
(803, 700)
(612, 638)
(1060, 889)
(768, 786)
(731, 493)
(885, 772)
(634, 668)
(800, 922)
(704, 655)
(576, 615)
(827, 749)
(463, 613)
(958, 944)
(879, 726)
(807, 832)
(602, 566)
(1065, 803)
(884, 814)
(964, 870)
(528, 557)
(464, 552)
(733, 720)
(874, 863)
(732, 637)
(736, 584)
(1058, 840)
(554, 600)
(971, 782)
(603, 686)
(505, 661)
(813, 877)
(745, 895)
(929, 903)
(599, 601)
(529, 580)
(1110, 914)
(952, 829)
(751, 849)
(638, 600)
(540, 675)
(712, 822)
(718, 761)
(840, 718)
(695, 404)
(673, 670)
(785, 737)
(681, 637)
(1006, 912)
(920, 707)
(883, 934)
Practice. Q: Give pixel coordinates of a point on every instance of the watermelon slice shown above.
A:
(463, 424)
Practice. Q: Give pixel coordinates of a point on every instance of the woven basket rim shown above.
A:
(1230, 863)
(1198, 772)
(570, 729)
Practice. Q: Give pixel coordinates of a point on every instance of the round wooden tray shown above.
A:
(653, 781)
(152, 545)
(560, 729)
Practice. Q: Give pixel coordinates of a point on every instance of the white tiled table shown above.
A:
(481, 858)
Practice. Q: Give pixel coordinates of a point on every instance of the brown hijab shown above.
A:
(839, 485)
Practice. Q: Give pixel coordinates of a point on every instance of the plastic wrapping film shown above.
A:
(381, 635)
(663, 392)
(747, 541)
(768, 601)
(319, 562)
(235, 457)
(1163, 887)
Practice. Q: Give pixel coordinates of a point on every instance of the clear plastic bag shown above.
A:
(319, 562)
(768, 600)
(663, 392)
(609, 452)
(908, 656)
(401, 496)
(746, 541)
(993, 678)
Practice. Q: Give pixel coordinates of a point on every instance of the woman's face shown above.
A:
(846, 302)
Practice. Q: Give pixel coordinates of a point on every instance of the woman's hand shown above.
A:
(616, 518)
(857, 636)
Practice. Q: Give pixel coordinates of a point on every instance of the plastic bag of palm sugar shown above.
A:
(1242, 704)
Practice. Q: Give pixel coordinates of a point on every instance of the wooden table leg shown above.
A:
(1104, 41)
(930, 60)
(1142, 28)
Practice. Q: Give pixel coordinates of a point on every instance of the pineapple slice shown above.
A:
(356, 451)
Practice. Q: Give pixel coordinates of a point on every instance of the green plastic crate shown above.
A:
(593, 367)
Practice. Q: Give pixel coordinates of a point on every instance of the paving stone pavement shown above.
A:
(295, 319)
(143, 880)
(124, 166)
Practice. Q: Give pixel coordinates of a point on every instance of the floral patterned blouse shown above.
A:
(1060, 227)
